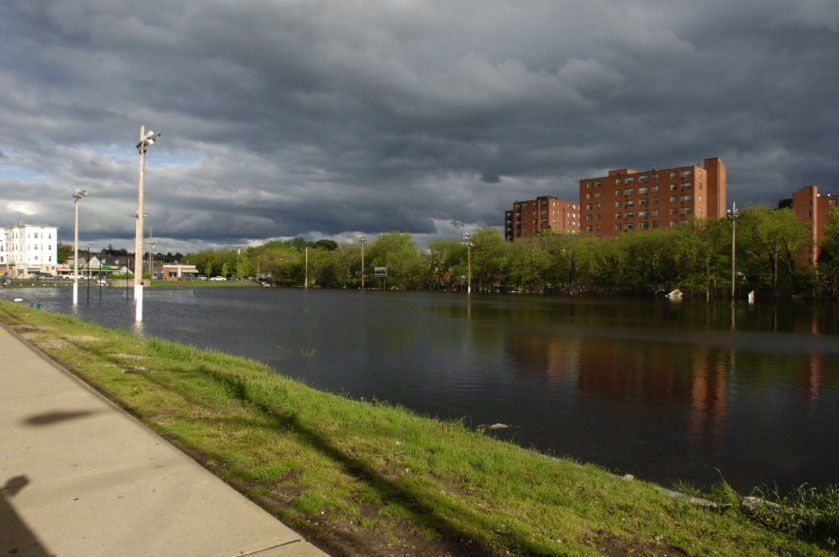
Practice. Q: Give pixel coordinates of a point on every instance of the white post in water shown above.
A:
(467, 239)
(77, 196)
(146, 139)
(733, 214)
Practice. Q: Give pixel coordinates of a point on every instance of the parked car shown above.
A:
(218, 278)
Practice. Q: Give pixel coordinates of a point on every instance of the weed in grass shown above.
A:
(806, 511)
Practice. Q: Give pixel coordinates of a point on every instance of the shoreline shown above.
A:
(378, 478)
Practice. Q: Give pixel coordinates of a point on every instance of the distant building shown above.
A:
(26, 249)
(179, 272)
(813, 208)
(628, 200)
(530, 218)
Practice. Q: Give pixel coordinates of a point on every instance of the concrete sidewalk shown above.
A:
(79, 476)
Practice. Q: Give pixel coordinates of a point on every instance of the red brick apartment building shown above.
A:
(811, 207)
(628, 200)
(529, 218)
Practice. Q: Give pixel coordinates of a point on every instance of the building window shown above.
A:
(597, 184)
(588, 196)
(617, 193)
(687, 197)
(642, 190)
(673, 187)
(597, 194)
(630, 180)
(618, 227)
(588, 185)
(597, 205)
(672, 199)
(644, 225)
(597, 216)
(654, 212)
(644, 201)
(597, 228)
(673, 210)
(655, 201)
(687, 172)
(630, 202)
(588, 206)
(630, 214)
(673, 174)
(630, 192)
(629, 226)
(655, 224)
(643, 214)
(588, 228)
(617, 215)
(617, 203)
(643, 178)
(655, 189)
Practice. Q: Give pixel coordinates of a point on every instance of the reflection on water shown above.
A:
(642, 386)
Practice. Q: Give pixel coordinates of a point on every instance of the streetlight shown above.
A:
(467, 240)
(146, 139)
(733, 214)
(362, 240)
(77, 196)
(152, 246)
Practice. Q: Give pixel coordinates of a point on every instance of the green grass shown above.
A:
(376, 479)
(202, 283)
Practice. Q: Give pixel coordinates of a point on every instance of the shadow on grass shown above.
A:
(429, 509)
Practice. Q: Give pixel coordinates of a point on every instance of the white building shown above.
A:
(26, 248)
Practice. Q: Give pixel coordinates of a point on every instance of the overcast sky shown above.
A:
(326, 119)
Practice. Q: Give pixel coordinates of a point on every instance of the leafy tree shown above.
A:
(328, 245)
(829, 256)
(489, 258)
(64, 252)
(398, 252)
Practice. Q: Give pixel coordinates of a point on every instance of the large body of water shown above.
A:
(661, 391)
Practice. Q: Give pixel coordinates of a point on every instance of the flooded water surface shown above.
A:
(661, 391)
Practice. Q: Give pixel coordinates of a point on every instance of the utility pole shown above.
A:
(733, 214)
(467, 239)
(152, 247)
(362, 240)
(146, 139)
(306, 270)
(77, 196)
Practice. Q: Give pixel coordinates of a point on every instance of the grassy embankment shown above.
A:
(373, 479)
(202, 283)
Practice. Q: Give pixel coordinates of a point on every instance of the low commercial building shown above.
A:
(177, 271)
(532, 217)
(26, 249)
(813, 208)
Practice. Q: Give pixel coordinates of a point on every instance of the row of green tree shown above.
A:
(772, 256)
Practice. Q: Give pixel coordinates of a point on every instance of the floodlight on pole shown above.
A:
(733, 214)
(146, 139)
(467, 240)
(77, 196)
(362, 240)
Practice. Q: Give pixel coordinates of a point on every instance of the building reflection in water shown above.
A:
(691, 383)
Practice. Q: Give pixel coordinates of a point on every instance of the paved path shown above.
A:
(79, 476)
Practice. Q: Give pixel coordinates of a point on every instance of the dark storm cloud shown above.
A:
(284, 118)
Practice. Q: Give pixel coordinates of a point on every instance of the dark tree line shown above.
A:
(772, 258)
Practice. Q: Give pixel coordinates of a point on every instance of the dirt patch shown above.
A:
(127, 356)
(620, 547)
(81, 339)
(54, 343)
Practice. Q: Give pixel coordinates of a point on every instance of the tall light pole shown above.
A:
(467, 240)
(733, 214)
(152, 247)
(146, 139)
(77, 196)
(306, 270)
(362, 240)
